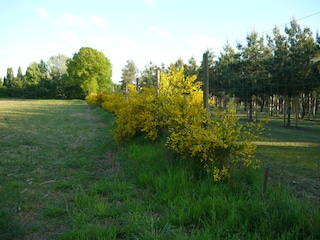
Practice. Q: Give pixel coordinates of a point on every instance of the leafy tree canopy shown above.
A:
(57, 66)
(89, 71)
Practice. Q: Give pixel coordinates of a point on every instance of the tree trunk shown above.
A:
(281, 102)
(250, 110)
(224, 100)
(297, 108)
(309, 105)
(303, 102)
(256, 108)
(270, 105)
(289, 112)
(284, 111)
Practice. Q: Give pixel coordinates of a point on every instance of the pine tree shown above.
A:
(18, 80)
(129, 74)
(10, 78)
(148, 76)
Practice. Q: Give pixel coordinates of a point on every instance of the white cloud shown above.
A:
(69, 37)
(149, 2)
(202, 43)
(43, 12)
(71, 20)
(100, 22)
(2, 52)
(161, 33)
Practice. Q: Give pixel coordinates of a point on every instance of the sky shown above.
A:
(158, 31)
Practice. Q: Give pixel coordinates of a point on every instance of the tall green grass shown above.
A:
(62, 177)
(197, 208)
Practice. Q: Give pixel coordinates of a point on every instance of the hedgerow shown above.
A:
(217, 141)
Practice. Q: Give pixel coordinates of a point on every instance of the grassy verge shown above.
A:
(62, 177)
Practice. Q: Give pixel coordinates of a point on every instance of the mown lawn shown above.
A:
(62, 177)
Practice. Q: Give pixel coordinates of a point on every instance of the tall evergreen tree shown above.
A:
(293, 64)
(251, 68)
(179, 63)
(226, 80)
(9, 78)
(129, 74)
(148, 76)
(18, 81)
(4, 82)
(191, 68)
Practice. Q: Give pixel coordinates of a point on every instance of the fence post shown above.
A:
(205, 82)
(265, 180)
(158, 82)
(137, 84)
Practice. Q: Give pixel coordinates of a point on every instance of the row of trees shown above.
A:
(61, 77)
(285, 68)
(281, 72)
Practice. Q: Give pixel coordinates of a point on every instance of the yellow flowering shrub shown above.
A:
(180, 99)
(92, 99)
(114, 102)
(135, 114)
(98, 98)
(217, 141)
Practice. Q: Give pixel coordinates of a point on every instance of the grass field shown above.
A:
(292, 154)
(62, 177)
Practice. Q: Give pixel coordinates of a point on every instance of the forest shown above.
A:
(278, 73)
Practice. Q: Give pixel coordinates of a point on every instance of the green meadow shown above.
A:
(63, 177)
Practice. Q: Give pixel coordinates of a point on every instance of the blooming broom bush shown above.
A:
(219, 142)
(92, 99)
(180, 99)
(98, 99)
(137, 116)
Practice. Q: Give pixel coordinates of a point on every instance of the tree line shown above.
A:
(61, 77)
(278, 73)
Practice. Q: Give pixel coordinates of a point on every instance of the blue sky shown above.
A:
(160, 31)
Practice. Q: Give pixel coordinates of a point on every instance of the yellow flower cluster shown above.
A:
(220, 174)
(217, 141)
(92, 99)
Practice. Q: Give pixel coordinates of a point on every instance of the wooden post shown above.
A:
(126, 92)
(158, 82)
(205, 82)
(265, 181)
(137, 84)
